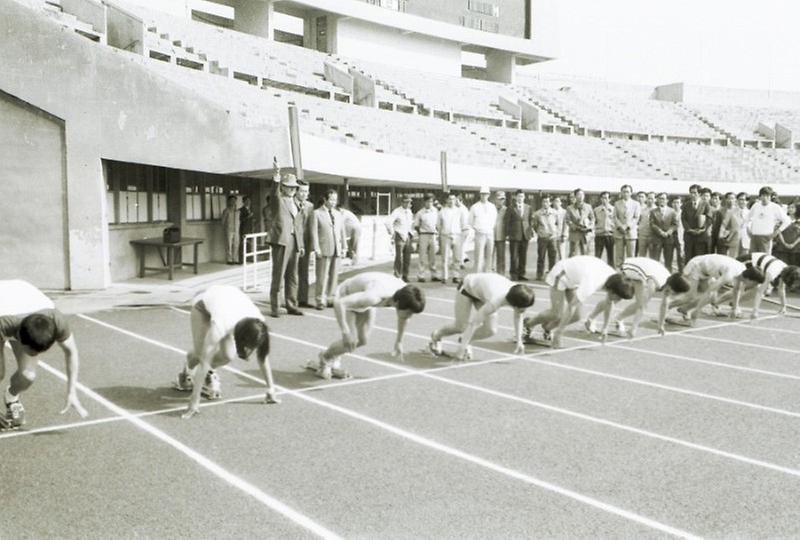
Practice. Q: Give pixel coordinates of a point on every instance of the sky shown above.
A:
(734, 43)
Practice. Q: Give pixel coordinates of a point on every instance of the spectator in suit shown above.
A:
(647, 201)
(247, 224)
(677, 205)
(286, 241)
(482, 218)
(626, 225)
(545, 225)
(500, 233)
(579, 219)
(519, 233)
(742, 201)
(452, 226)
(303, 262)
(352, 230)
(230, 228)
(663, 224)
(561, 222)
(717, 213)
(328, 244)
(730, 226)
(787, 243)
(604, 228)
(694, 217)
(402, 225)
(764, 221)
(425, 221)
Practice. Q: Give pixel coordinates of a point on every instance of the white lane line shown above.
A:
(770, 329)
(604, 374)
(545, 406)
(708, 362)
(244, 486)
(440, 447)
(745, 343)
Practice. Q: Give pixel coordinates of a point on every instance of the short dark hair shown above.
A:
(705, 190)
(520, 296)
(619, 285)
(695, 187)
(330, 192)
(766, 190)
(231, 197)
(677, 283)
(603, 193)
(38, 332)
(411, 298)
(249, 334)
(729, 193)
(742, 194)
(519, 192)
(753, 274)
(716, 194)
(664, 193)
(641, 193)
(626, 186)
(429, 197)
(790, 276)
(576, 191)
(546, 197)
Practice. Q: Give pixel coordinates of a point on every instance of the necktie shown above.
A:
(333, 228)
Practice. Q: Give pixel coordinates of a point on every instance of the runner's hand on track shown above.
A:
(191, 411)
(74, 403)
(271, 399)
(398, 352)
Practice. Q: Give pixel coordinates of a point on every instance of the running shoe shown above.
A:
(212, 388)
(526, 335)
(621, 328)
(15, 415)
(184, 382)
(547, 335)
(337, 371)
(590, 326)
(435, 346)
(467, 354)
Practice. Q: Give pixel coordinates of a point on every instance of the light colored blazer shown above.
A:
(626, 216)
(328, 238)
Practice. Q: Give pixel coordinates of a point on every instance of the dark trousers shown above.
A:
(284, 273)
(302, 278)
(500, 257)
(605, 242)
(519, 258)
(694, 245)
(545, 247)
(402, 256)
(680, 254)
(667, 246)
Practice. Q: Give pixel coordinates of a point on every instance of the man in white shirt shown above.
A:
(402, 222)
(486, 293)
(572, 281)
(425, 222)
(354, 305)
(30, 324)
(742, 201)
(626, 225)
(451, 227)
(563, 228)
(707, 274)
(225, 325)
(500, 233)
(764, 221)
(482, 219)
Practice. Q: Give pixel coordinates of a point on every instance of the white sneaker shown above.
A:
(212, 388)
(590, 326)
(435, 346)
(621, 328)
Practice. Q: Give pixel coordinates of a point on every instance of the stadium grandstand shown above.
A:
(125, 118)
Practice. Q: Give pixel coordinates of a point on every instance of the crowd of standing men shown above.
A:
(645, 224)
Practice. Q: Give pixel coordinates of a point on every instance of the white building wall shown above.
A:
(359, 39)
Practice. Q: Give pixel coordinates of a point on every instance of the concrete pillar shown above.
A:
(255, 17)
(500, 67)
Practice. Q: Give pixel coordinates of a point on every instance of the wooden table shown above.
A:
(173, 250)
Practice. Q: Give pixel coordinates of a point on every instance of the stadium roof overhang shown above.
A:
(527, 51)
